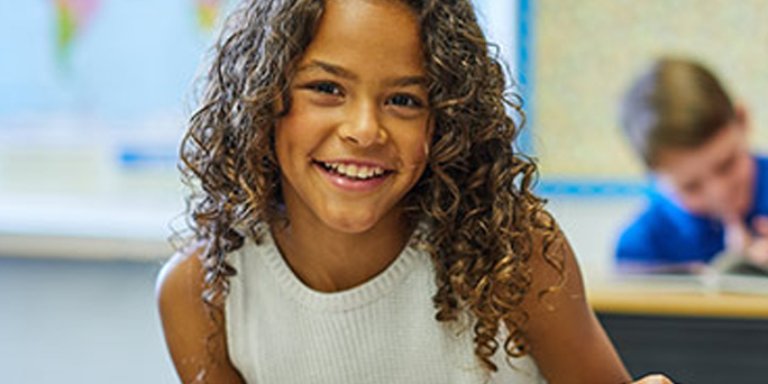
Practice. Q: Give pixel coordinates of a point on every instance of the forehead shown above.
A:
(381, 33)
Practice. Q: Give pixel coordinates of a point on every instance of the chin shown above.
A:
(351, 225)
(352, 229)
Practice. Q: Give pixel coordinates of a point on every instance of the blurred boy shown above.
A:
(710, 194)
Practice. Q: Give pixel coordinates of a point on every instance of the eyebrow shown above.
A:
(407, 81)
(330, 68)
(347, 74)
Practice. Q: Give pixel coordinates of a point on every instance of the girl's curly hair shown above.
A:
(475, 195)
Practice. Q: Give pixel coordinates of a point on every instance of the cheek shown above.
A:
(691, 202)
(745, 171)
(418, 143)
(286, 143)
(694, 204)
(280, 144)
(418, 153)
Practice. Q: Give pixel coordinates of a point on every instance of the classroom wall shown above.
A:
(592, 225)
(585, 53)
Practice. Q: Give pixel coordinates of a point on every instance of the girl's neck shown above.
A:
(327, 260)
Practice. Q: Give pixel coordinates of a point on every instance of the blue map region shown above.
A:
(133, 59)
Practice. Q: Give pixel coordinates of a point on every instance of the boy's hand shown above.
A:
(751, 243)
(758, 250)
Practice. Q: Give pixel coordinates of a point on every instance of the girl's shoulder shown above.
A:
(561, 324)
(181, 277)
(194, 330)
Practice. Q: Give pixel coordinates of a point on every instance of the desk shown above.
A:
(683, 328)
(676, 297)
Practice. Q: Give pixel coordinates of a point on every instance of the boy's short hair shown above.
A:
(676, 103)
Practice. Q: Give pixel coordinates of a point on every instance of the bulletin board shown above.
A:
(580, 56)
(94, 94)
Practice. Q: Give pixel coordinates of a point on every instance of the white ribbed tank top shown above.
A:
(383, 331)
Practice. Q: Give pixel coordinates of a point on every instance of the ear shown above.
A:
(741, 115)
(280, 104)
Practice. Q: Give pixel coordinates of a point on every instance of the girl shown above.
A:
(361, 216)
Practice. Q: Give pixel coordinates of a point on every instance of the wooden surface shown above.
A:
(682, 296)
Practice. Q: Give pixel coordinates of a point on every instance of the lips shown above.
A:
(353, 176)
(354, 171)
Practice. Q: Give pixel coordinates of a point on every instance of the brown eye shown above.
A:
(407, 101)
(326, 88)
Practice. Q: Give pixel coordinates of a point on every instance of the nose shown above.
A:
(363, 126)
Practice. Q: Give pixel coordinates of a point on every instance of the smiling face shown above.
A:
(354, 141)
(714, 180)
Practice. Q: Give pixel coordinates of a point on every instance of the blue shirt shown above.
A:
(666, 234)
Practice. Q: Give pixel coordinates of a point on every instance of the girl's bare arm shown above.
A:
(196, 342)
(567, 342)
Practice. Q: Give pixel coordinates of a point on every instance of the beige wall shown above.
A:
(586, 52)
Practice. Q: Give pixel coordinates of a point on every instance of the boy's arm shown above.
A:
(196, 342)
(638, 252)
(743, 243)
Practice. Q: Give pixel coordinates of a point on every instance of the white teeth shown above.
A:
(355, 171)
